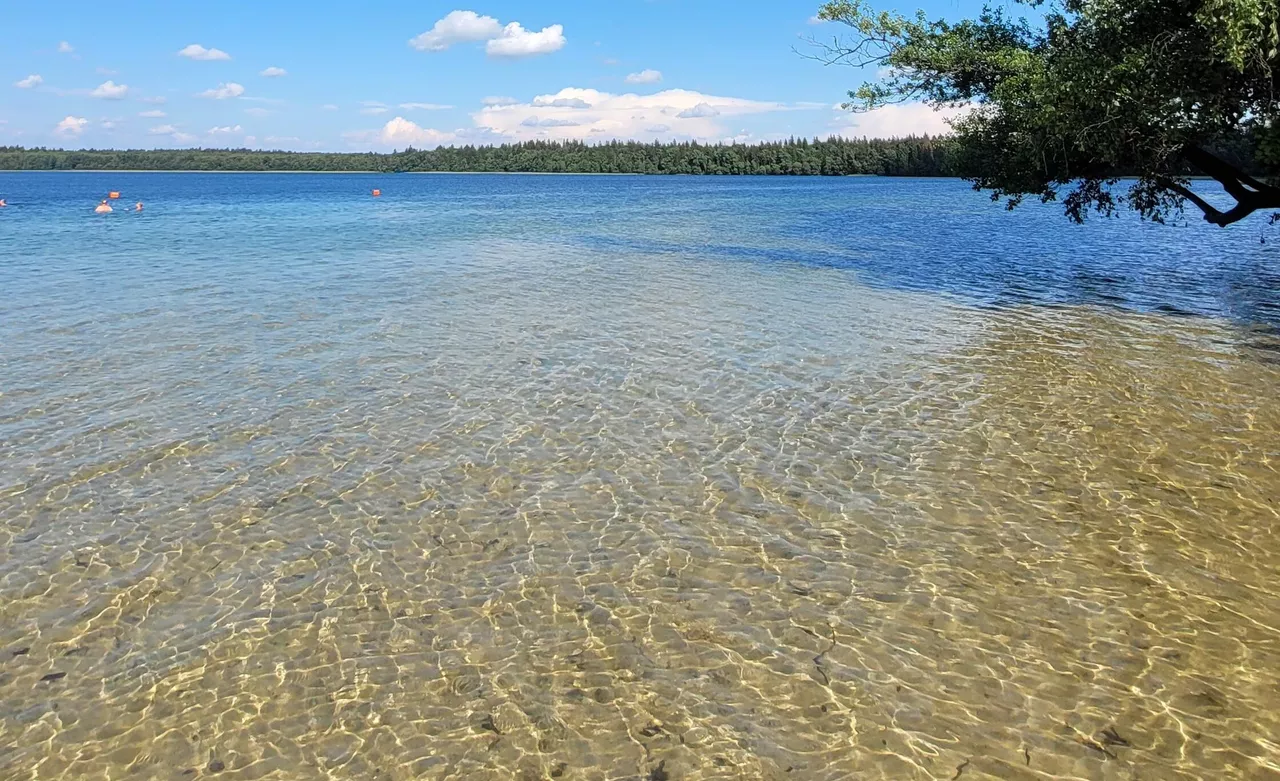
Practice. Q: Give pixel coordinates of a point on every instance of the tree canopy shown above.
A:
(1065, 99)
(918, 156)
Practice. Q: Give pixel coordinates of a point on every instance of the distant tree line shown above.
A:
(913, 156)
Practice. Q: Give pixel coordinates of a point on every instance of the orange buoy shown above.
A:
(113, 195)
(377, 193)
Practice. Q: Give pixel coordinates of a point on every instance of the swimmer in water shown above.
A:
(138, 208)
(103, 208)
(2, 203)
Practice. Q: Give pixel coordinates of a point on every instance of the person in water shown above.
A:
(2, 203)
(103, 208)
(138, 208)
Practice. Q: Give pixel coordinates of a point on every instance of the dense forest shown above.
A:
(915, 156)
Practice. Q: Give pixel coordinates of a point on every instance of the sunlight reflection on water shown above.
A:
(555, 489)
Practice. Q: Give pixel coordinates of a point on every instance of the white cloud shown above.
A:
(109, 90)
(152, 114)
(71, 126)
(30, 82)
(815, 19)
(457, 27)
(197, 52)
(400, 132)
(329, 107)
(108, 124)
(282, 139)
(273, 72)
(373, 108)
(499, 101)
(552, 122)
(65, 48)
(176, 135)
(558, 102)
(224, 91)
(255, 111)
(898, 120)
(511, 40)
(648, 76)
(424, 107)
(516, 41)
(699, 111)
(225, 131)
(589, 114)
(155, 100)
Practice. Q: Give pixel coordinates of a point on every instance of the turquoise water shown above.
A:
(614, 477)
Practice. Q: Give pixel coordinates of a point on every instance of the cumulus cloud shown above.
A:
(30, 82)
(424, 107)
(273, 72)
(224, 91)
(699, 111)
(647, 76)
(457, 27)
(551, 122)
(174, 134)
(65, 48)
(197, 52)
(109, 90)
(898, 120)
(511, 40)
(225, 131)
(495, 100)
(516, 41)
(583, 114)
(71, 126)
(555, 102)
(402, 132)
(152, 114)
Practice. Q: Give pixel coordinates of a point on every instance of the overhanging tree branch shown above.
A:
(1249, 193)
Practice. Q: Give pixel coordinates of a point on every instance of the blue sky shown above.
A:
(359, 76)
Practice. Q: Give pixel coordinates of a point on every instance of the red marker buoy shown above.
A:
(113, 195)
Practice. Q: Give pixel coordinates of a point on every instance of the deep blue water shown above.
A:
(918, 234)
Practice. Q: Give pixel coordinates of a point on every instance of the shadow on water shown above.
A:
(1244, 288)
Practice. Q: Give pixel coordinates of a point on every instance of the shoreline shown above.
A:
(459, 173)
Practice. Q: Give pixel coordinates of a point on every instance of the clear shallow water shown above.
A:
(597, 478)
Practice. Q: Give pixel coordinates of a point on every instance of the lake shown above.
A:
(630, 478)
